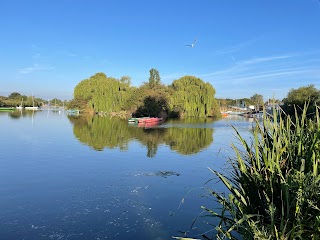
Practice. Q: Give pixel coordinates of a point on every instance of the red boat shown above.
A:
(153, 120)
(149, 122)
(143, 119)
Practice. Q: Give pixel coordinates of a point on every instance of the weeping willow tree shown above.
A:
(193, 98)
(104, 93)
(187, 97)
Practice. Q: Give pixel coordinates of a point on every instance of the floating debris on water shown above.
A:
(163, 174)
(171, 213)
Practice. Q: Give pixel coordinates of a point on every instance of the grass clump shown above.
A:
(274, 182)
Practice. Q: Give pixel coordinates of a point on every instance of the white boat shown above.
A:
(21, 105)
(33, 107)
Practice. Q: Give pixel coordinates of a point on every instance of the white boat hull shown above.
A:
(31, 108)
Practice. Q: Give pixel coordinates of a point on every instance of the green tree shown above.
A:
(154, 78)
(126, 80)
(273, 101)
(150, 101)
(297, 98)
(56, 102)
(191, 97)
(257, 99)
(14, 95)
(187, 96)
(104, 94)
(77, 103)
(152, 106)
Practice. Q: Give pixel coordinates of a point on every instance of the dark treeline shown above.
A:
(295, 100)
(188, 96)
(16, 99)
(185, 97)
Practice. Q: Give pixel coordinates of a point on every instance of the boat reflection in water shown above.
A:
(104, 132)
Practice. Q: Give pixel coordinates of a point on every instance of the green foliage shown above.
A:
(32, 101)
(56, 102)
(274, 184)
(77, 103)
(187, 97)
(16, 99)
(193, 98)
(297, 98)
(15, 95)
(273, 101)
(257, 100)
(150, 102)
(246, 101)
(104, 94)
(154, 78)
(126, 80)
(135, 100)
(228, 103)
(13, 100)
(151, 107)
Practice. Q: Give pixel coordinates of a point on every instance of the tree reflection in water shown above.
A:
(112, 132)
(22, 113)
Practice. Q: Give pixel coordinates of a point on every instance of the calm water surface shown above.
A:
(84, 177)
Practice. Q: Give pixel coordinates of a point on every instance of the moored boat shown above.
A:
(133, 120)
(153, 120)
(150, 122)
(21, 105)
(31, 108)
(143, 119)
(73, 111)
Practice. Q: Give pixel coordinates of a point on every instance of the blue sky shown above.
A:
(243, 47)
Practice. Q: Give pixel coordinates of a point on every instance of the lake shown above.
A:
(93, 177)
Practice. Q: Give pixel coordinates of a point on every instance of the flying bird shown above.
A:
(192, 45)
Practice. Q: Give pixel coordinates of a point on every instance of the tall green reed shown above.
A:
(274, 182)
